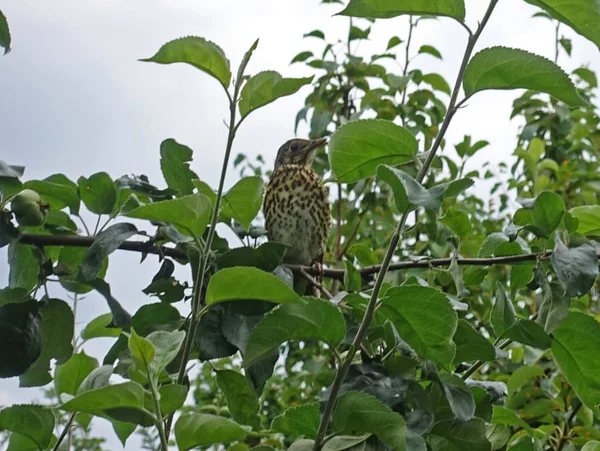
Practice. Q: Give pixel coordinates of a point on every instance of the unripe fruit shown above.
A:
(28, 208)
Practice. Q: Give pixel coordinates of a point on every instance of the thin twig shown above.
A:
(315, 283)
(65, 431)
(368, 316)
(566, 430)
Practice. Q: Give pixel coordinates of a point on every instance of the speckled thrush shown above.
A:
(296, 208)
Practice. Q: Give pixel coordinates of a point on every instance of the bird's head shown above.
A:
(298, 151)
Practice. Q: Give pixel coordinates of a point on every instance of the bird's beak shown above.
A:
(314, 145)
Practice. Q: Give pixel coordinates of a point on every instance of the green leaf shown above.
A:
(576, 340)
(300, 57)
(541, 215)
(34, 422)
(451, 436)
(503, 315)
(358, 147)
(508, 417)
(591, 446)
(190, 214)
(243, 201)
(360, 412)
(4, 34)
(23, 267)
(127, 394)
(576, 268)
(460, 398)
(58, 191)
(241, 397)
(266, 87)
(105, 243)
(192, 430)
(424, 318)
(175, 161)
(57, 333)
(120, 317)
(142, 350)
(198, 52)
(529, 333)
(167, 346)
(97, 328)
(589, 219)
(554, 306)
(506, 68)
(267, 256)
(437, 82)
(237, 283)
(123, 430)
(299, 420)
(431, 51)
(172, 398)
(357, 33)
(312, 319)
(581, 15)
(69, 376)
(458, 222)
(385, 9)
(471, 345)
(98, 193)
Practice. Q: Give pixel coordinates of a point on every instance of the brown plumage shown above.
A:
(296, 207)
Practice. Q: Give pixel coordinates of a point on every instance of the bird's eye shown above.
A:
(294, 147)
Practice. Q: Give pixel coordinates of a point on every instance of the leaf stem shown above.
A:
(368, 316)
(159, 418)
(65, 431)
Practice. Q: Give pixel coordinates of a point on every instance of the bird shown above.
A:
(296, 205)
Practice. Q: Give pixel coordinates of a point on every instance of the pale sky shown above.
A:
(75, 99)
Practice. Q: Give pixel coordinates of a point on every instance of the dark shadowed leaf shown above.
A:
(175, 161)
(98, 193)
(239, 283)
(358, 147)
(192, 430)
(34, 422)
(21, 336)
(312, 319)
(385, 9)
(198, 52)
(576, 268)
(471, 345)
(4, 34)
(241, 397)
(575, 341)
(554, 306)
(105, 243)
(451, 436)
(299, 420)
(362, 413)
(267, 256)
(57, 332)
(120, 317)
(459, 397)
(506, 68)
(209, 339)
(424, 318)
(503, 315)
(24, 267)
(266, 87)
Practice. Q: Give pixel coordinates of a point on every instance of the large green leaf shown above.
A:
(358, 147)
(24, 267)
(385, 9)
(98, 193)
(266, 87)
(576, 268)
(192, 430)
(242, 283)
(190, 214)
(69, 375)
(312, 319)
(576, 342)
(32, 421)
(175, 161)
(98, 327)
(241, 397)
(299, 420)
(581, 15)
(424, 319)
(198, 52)
(243, 201)
(506, 68)
(451, 436)
(503, 315)
(471, 345)
(541, 215)
(589, 219)
(127, 394)
(360, 412)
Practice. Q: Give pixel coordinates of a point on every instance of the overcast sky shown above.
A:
(75, 99)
